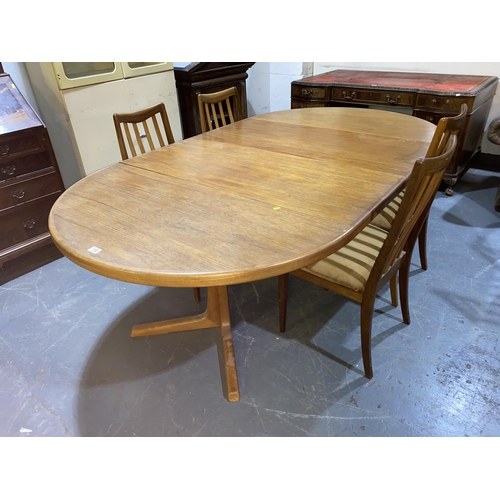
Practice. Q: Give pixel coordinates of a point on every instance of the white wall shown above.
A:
(281, 77)
(258, 88)
(269, 83)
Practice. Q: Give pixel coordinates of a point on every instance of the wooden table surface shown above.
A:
(262, 197)
(265, 196)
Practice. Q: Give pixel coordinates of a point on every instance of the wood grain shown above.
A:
(257, 198)
(254, 199)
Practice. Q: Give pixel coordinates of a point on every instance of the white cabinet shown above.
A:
(91, 92)
(78, 74)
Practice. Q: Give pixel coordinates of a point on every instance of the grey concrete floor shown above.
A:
(68, 366)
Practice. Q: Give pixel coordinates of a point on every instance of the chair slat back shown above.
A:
(138, 125)
(422, 185)
(421, 189)
(218, 109)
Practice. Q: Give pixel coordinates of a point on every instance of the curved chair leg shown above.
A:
(422, 244)
(404, 278)
(283, 299)
(394, 290)
(197, 295)
(366, 335)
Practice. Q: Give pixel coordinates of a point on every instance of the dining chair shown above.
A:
(141, 123)
(369, 261)
(445, 127)
(218, 109)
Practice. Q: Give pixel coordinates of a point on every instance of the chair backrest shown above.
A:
(142, 122)
(217, 110)
(450, 125)
(420, 190)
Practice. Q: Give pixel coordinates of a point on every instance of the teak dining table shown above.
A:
(264, 196)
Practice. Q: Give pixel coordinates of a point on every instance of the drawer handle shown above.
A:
(4, 150)
(393, 101)
(29, 224)
(349, 97)
(306, 92)
(9, 170)
(19, 194)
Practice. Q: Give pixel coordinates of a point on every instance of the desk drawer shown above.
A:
(25, 221)
(311, 93)
(299, 103)
(15, 145)
(380, 97)
(23, 165)
(443, 103)
(17, 193)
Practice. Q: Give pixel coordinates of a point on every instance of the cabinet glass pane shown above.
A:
(74, 70)
(136, 65)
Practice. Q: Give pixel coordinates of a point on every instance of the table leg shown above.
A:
(216, 314)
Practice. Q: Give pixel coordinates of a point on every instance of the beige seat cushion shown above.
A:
(385, 218)
(351, 265)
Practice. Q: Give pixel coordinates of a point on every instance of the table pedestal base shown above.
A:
(216, 314)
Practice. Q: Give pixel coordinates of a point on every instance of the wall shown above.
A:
(268, 85)
(258, 89)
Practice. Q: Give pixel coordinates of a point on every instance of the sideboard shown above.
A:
(425, 95)
(30, 183)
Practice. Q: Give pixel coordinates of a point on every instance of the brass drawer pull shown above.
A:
(393, 101)
(349, 97)
(306, 92)
(9, 170)
(4, 150)
(19, 194)
(30, 223)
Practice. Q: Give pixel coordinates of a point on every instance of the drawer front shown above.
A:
(380, 97)
(25, 221)
(299, 103)
(13, 146)
(450, 104)
(18, 193)
(15, 167)
(429, 116)
(311, 93)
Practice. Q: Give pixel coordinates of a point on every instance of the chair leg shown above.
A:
(404, 278)
(422, 244)
(394, 291)
(283, 299)
(366, 336)
(197, 295)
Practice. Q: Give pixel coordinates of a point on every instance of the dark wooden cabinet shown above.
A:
(204, 78)
(30, 183)
(425, 95)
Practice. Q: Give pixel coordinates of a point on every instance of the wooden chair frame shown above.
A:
(395, 254)
(212, 108)
(132, 120)
(446, 126)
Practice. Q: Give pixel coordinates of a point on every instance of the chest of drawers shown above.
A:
(426, 95)
(30, 182)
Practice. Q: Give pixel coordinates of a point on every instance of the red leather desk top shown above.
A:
(405, 81)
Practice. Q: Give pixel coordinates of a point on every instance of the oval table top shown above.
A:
(258, 198)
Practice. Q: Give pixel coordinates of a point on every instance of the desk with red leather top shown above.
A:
(425, 95)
